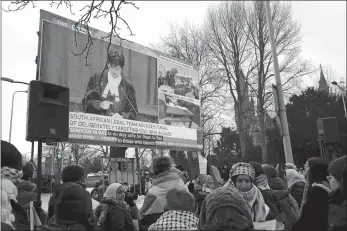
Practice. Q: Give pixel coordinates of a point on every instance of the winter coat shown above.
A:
(199, 196)
(86, 220)
(270, 202)
(21, 218)
(297, 191)
(25, 192)
(117, 216)
(339, 220)
(175, 220)
(288, 210)
(315, 211)
(155, 200)
(274, 181)
(335, 201)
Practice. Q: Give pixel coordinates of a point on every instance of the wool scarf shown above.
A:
(12, 174)
(261, 182)
(259, 210)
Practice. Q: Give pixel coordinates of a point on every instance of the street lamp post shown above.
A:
(14, 93)
(343, 97)
(12, 81)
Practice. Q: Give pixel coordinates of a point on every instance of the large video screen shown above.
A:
(127, 95)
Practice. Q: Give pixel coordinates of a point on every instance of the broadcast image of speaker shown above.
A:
(177, 79)
(111, 94)
(177, 112)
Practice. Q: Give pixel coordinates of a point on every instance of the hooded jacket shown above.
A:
(116, 216)
(155, 200)
(26, 192)
(275, 182)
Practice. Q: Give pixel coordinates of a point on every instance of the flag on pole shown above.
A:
(34, 218)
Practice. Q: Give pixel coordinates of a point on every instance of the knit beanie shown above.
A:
(71, 204)
(161, 164)
(336, 168)
(179, 199)
(242, 169)
(318, 169)
(291, 166)
(257, 167)
(270, 171)
(225, 197)
(10, 156)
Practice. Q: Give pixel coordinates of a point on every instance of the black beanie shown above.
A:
(257, 167)
(10, 156)
(336, 168)
(318, 169)
(71, 204)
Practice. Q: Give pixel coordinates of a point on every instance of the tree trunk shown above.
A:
(242, 133)
(263, 143)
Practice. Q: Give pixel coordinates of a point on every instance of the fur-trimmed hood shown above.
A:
(26, 186)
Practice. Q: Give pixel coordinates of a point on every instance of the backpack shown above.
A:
(287, 207)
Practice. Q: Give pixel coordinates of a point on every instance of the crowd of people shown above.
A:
(253, 193)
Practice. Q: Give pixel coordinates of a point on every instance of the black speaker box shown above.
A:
(328, 128)
(48, 112)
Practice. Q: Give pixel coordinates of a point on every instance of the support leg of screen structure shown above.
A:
(37, 203)
(102, 176)
(134, 173)
(122, 170)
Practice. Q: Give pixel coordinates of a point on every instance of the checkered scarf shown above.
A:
(261, 182)
(176, 220)
(12, 174)
(256, 203)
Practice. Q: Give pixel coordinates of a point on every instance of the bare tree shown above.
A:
(80, 152)
(292, 68)
(187, 42)
(109, 10)
(227, 41)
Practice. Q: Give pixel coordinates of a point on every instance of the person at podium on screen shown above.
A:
(111, 94)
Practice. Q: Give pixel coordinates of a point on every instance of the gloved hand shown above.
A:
(129, 199)
(191, 187)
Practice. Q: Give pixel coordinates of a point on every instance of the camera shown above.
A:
(131, 196)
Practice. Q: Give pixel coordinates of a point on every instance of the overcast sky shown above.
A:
(323, 25)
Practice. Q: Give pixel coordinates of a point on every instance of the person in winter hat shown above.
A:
(261, 182)
(290, 166)
(314, 215)
(336, 199)
(72, 204)
(113, 213)
(275, 182)
(338, 221)
(165, 179)
(242, 177)
(11, 162)
(296, 185)
(11, 169)
(25, 187)
(225, 209)
(179, 212)
(70, 174)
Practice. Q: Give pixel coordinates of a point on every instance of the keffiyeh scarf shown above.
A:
(254, 199)
(176, 220)
(12, 174)
(8, 192)
(261, 182)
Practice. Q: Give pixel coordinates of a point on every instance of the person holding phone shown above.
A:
(111, 94)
